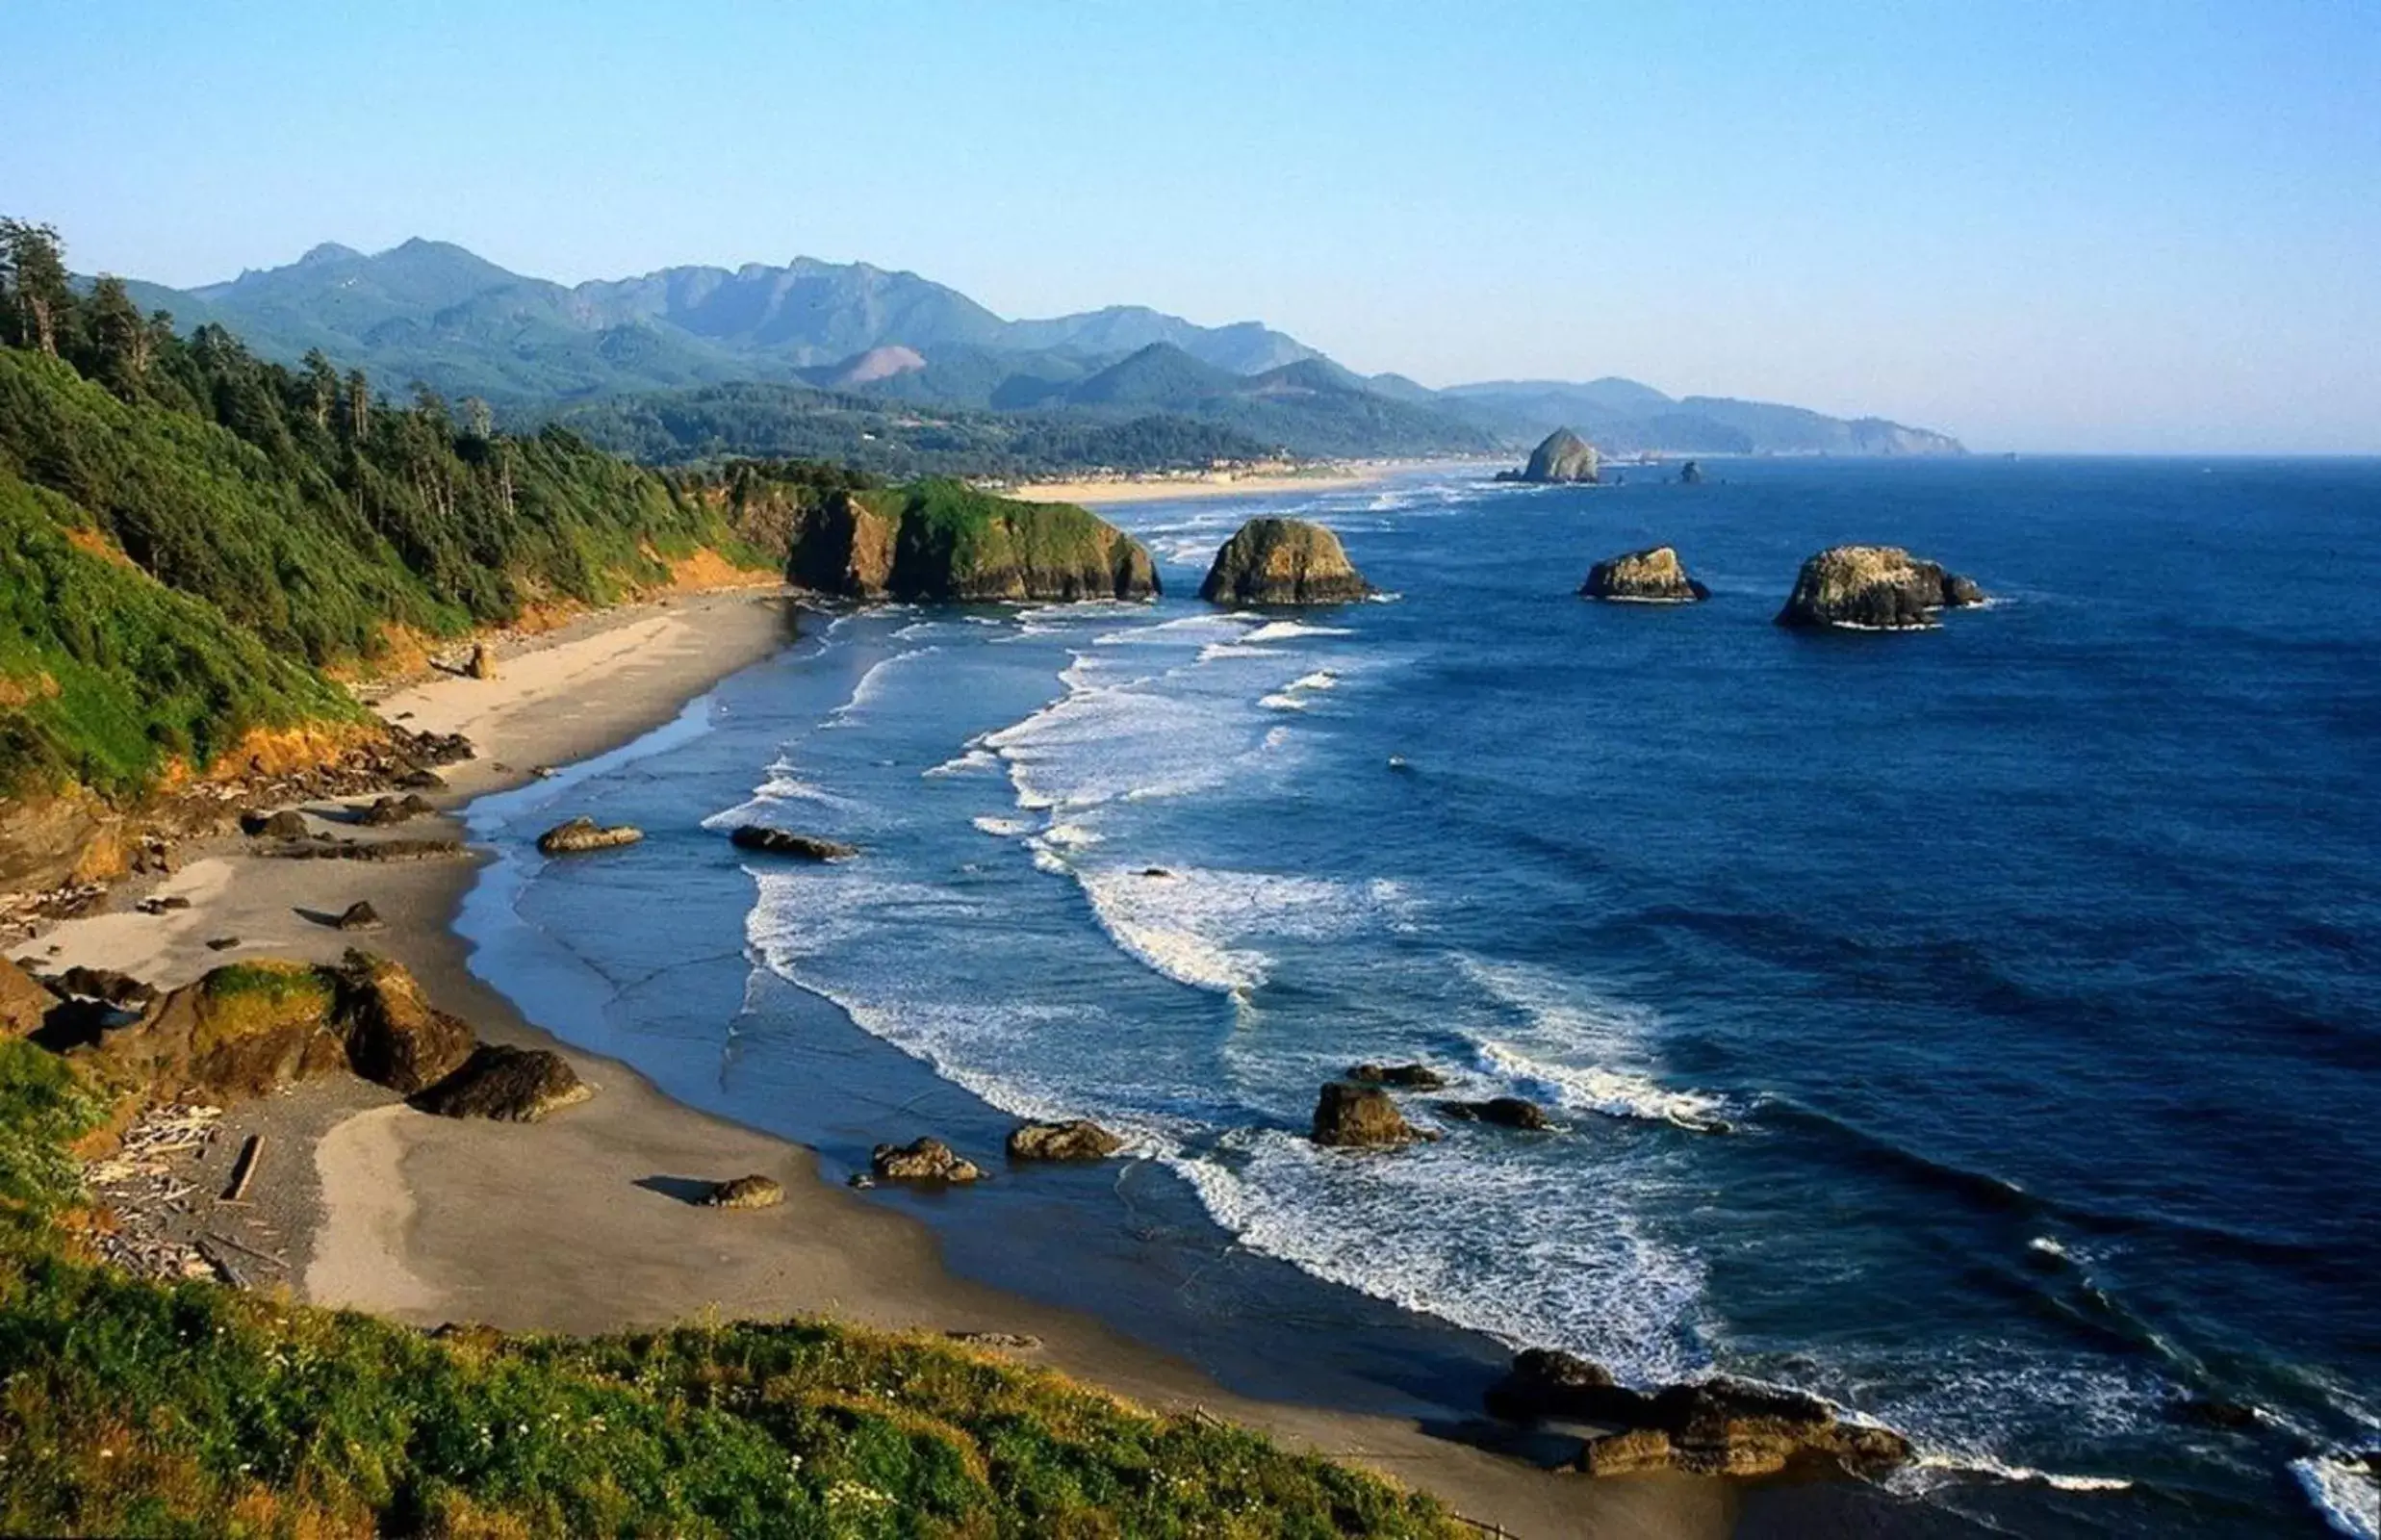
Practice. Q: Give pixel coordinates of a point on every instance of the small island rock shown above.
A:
(923, 1159)
(1690, 474)
(1562, 458)
(1081, 1140)
(585, 833)
(768, 841)
(508, 1085)
(753, 1192)
(1649, 577)
(1874, 588)
(1282, 561)
(1360, 1118)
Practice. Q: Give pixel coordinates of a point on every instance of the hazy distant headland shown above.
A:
(897, 373)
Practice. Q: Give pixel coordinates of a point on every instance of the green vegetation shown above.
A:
(138, 1408)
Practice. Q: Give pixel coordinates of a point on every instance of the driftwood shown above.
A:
(244, 1169)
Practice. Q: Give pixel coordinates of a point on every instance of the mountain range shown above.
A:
(818, 352)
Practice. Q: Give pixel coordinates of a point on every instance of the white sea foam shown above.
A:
(782, 786)
(1612, 1092)
(872, 684)
(1197, 925)
(1587, 1053)
(1004, 828)
(1284, 631)
(1283, 702)
(1071, 836)
(2344, 1491)
(1319, 680)
(974, 761)
(2048, 1246)
(1999, 1471)
(1224, 651)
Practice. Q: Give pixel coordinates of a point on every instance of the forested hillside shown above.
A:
(190, 536)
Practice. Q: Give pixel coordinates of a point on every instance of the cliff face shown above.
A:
(942, 541)
(1874, 588)
(1282, 561)
(1562, 458)
(1646, 577)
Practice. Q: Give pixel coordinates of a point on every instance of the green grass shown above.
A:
(144, 1409)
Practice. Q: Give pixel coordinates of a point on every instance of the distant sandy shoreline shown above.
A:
(581, 1224)
(1111, 493)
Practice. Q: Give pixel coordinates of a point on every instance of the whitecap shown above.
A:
(1283, 703)
(1004, 828)
(2344, 1491)
(1283, 630)
(2000, 1471)
(973, 761)
(871, 684)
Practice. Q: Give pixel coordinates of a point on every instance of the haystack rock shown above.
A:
(1878, 588)
(1691, 474)
(1282, 561)
(1561, 457)
(1650, 576)
(942, 540)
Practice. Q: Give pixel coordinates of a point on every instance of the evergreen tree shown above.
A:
(33, 278)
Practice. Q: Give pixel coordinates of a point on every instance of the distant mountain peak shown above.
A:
(328, 251)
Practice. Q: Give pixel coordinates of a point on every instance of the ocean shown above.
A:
(1979, 1027)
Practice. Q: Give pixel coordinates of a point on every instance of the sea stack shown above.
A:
(1876, 588)
(1691, 474)
(1562, 458)
(1651, 577)
(941, 540)
(1282, 561)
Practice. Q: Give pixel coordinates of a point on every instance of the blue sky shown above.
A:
(2133, 226)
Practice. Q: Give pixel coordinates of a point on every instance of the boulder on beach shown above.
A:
(744, 1192)
(1282, 561)
(387, 811)
(768, 841)
(583, 835)
(105, 985)
(923, 1159)
(395, 1037)
(25, 1002)
(359, 915)
(1504, 1112)
(1360, 1118)
(1081, 1140)
(508, 1085)
(287, 824)
(1650, 576)
(482, 665)
(1408, 1077)
(1715, 1426)
(1561, 457)
(1882, 588)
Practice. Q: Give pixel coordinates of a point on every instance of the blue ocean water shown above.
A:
(1980, 1027)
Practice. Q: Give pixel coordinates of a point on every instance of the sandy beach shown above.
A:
(1217, 484)
(584, 1222)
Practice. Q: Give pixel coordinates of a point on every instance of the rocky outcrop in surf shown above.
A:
(762, 839)
(581, 834)
(1715, 1427)
(1282, 561)
(1081, 1140)
(1504, 1112)
(922, 1160)
(1881, 588)
(944, 540)
(1690, 474)
(1410, 1077)
(1650, 576)
(1562, 456)
(1360, 1118)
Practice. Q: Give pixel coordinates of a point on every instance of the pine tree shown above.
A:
(33, 274)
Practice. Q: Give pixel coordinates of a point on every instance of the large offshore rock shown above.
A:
(1650, 576)
(1282, 561)
(1561, 456)
(1880, 588)
(1360, 1118)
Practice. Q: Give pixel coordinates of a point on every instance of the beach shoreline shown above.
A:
(1121, 490)
(583, 1224)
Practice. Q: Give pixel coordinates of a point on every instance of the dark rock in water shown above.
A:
(744, 1192)
(287, 824)
(1715, 1427)
(508, 1085)
(359, 915)
(1505, 1111)
(924, 1160)
(770, 841)
(1874, 588)
(120, 990)
(1282, 561)
(1078, 1140)
(395, 1037)
(1410, 1077)
(1649, 577)
(1562, 456)
(1690, 474)
(583, 835)
(1155, 871)
(1360, 1118)
(25, 1002)
(2209, 1411)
